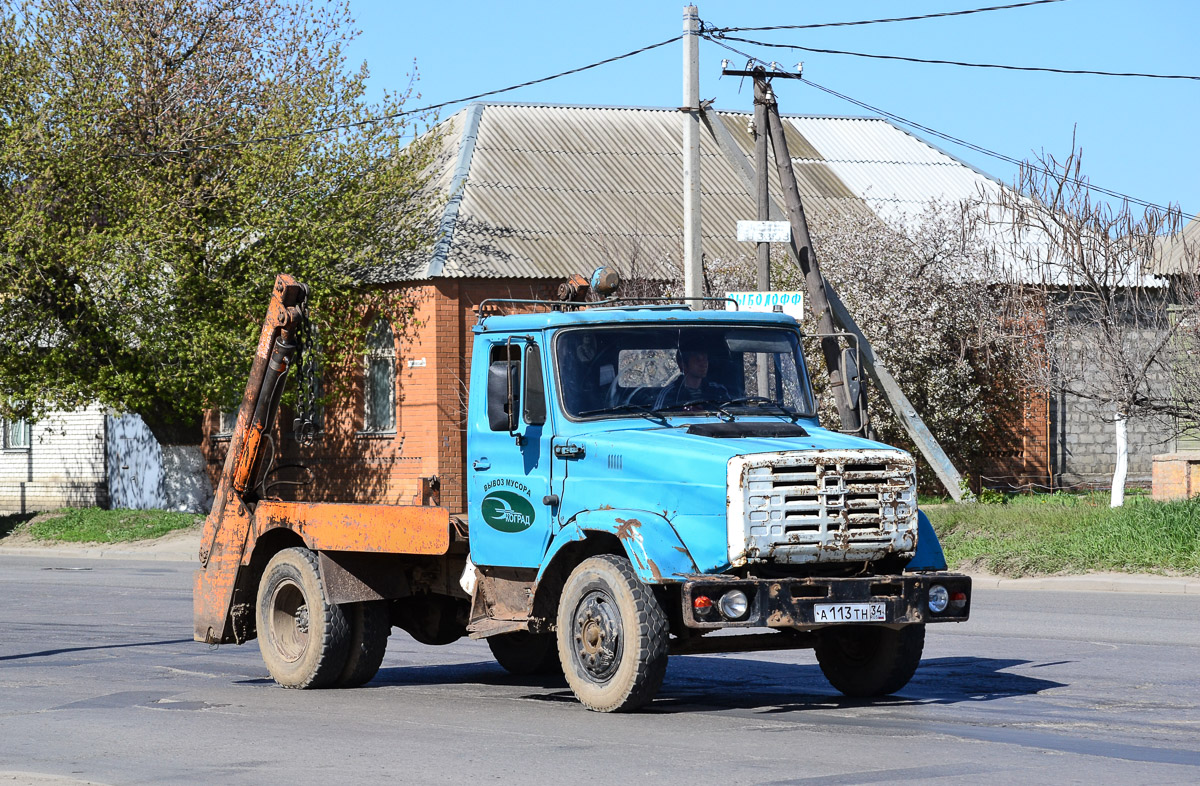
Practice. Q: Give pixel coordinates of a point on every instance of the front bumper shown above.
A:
(790, 603)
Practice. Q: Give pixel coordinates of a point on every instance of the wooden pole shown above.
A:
(801, 245)
(762, 194)
(916, 428)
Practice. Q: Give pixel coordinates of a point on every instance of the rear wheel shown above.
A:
(369, 631)
(302, 636)
(612, 636)
(867, 660)
(525, 653)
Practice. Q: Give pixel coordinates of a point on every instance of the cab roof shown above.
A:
(615, 315)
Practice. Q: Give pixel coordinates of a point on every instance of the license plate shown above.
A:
(850, 612)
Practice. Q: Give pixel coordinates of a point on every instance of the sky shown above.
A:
(1138, 136)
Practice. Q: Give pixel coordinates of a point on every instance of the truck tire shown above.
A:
(525, 653)
(612, 636)
(302, 636)
(369, 630)
(868, 660)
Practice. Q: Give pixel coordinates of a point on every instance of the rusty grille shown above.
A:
(828, 506)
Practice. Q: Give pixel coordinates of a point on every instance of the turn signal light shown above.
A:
(702, 603)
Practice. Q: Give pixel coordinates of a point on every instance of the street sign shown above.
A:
(764, 231)
(790, 303)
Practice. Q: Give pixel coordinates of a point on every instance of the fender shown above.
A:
(651, 543)
(929, 555)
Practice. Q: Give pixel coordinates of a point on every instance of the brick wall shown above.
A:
(1020, 455)
(433, 350)
(64, 465)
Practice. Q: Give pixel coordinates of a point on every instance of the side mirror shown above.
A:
(850, 374)
(502, 383)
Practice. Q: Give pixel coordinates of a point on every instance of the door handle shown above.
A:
(481, 463)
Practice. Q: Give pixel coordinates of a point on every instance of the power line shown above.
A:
(940, 135)
(395, 115)
(719, 30)
(958, 62)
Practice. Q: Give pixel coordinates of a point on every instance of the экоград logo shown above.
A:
(507, 512)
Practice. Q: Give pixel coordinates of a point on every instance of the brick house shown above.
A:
(538, 193)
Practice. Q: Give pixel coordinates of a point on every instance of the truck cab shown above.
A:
(686, 445)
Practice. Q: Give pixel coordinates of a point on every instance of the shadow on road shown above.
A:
(742, 683)
(48, 653)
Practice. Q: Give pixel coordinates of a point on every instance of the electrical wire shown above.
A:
(394, 115)
(1005, 67)
(719, 30)
(939, 134)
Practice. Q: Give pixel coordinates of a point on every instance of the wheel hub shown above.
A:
(289, 621)
(598, 635)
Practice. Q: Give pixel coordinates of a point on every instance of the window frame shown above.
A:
(6, 426)
(373, 355)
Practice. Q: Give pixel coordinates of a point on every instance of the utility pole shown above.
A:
(802, 250)
(831, 305)
(693, 271)
(762, 195)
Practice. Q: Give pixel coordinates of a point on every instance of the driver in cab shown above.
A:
(691, 385)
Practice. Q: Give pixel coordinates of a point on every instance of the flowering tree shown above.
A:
(921, 292)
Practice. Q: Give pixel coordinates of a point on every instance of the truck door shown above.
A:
(508, 456)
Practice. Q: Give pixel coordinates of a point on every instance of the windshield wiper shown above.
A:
(637, 409)
(793, 414)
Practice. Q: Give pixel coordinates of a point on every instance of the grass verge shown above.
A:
(1065, 533)
(93, 525)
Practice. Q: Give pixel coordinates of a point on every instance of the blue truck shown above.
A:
(641, 476)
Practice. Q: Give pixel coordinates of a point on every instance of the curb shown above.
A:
(1095, 582)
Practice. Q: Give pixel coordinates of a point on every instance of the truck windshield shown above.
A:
(615, 372)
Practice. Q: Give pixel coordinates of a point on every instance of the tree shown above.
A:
(1109, 330)
(159, 165)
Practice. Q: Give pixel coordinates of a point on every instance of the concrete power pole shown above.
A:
(693, 271)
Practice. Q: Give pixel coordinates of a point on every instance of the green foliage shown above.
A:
(140, 239)
(1070, 533)
(92, 525)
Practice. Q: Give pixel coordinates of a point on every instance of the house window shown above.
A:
(16, 434)
(228, 421)
(379, 399)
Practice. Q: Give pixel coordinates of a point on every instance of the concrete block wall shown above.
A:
(64, 465)
(1087, 441)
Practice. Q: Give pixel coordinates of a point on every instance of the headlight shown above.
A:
(733, 604)
(939, 598)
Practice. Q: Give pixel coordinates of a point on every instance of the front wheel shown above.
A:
(612, 636)
(867, 660)
(302, 636)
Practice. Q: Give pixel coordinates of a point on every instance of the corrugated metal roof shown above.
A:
(1179, 253)
(557, 190)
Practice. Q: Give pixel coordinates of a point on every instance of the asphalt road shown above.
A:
(101, 682)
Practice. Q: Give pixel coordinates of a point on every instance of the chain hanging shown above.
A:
(308, 382)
